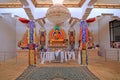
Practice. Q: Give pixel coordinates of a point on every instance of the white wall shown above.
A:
(98, 11)
(20, 30)
(104, 36)
(15, 11)
(93, 27)
(100, 29)
(7, 36)
(75, 12)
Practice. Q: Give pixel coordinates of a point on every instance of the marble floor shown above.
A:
(104, 70)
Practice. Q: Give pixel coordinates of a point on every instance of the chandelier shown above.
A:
(58, 13)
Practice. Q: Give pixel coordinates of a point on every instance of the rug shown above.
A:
(57, 73)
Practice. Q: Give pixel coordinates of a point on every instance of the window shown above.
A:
(114, 33)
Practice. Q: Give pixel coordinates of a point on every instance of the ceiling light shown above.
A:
(57, 1)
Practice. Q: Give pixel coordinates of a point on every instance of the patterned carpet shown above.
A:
(57, 73)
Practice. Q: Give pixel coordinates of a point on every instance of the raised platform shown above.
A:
(57, 46)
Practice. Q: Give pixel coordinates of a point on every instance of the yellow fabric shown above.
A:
(31, 56)
(84, 62)
(28, 35)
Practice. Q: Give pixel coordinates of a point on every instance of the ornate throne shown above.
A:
(71, 34)
(57, 38)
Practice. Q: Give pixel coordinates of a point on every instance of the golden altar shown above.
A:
(60, 43)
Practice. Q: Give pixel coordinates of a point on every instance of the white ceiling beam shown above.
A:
(91, 2)
(29, 8)
(87, 12)
(24, 2)
(87, 8)
(73, 23)
(41, 21)
(84, 7)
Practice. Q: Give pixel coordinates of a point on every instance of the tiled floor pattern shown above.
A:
(57, 73)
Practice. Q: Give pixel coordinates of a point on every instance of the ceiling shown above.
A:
(67, 3)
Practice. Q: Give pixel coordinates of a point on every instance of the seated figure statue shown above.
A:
(56, 35)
